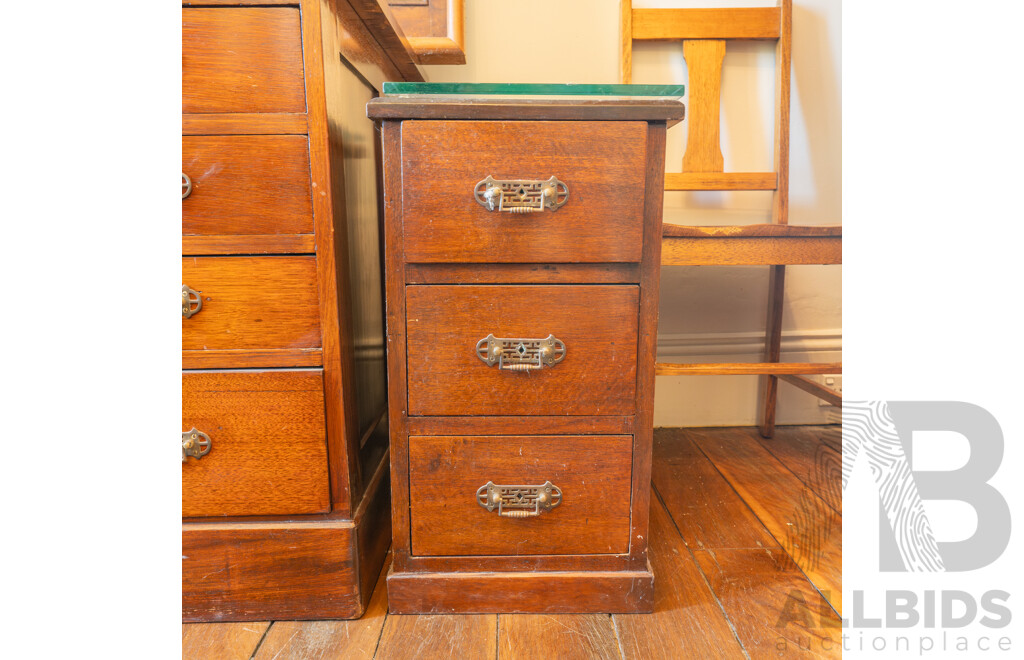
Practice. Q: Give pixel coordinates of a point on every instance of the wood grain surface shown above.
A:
(565, 636)
(355, 639)
(814, 455)
(704, 63)
(602, 165)
(246, 185)
(251, 303)
(720, 181)
(244, 123)
(596, 377)
(806, 527)
(260, 571)
(593, 473)
(687, 619)
(752, 251)
(622, 273)
(439, 636)
(719, 23)
(268, 454)
(539, 592)
(706, 509)
(775, 611)
(245, 59)
(227, 641)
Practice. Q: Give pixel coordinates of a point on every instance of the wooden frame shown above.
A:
(432, 48)
(704, 33)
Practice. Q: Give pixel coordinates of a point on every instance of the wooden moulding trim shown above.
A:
(730, 23)
(748, 368)
(721, 181)
(817, 389)
(507, 563)
(437, 50)
(752, 251)
(449, 49)
(269, 357)
(244, 124)
(383, 27)
(197, 245)
(534, 592)
(668, 110)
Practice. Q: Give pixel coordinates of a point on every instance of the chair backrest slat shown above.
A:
(704, 33)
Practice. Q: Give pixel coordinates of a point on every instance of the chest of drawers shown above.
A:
(522, 261)
(284, 436)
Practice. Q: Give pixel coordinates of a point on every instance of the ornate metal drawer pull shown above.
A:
(194, 443)
(186, 185)
(519, 501)
(521, 195)
(520, 354)
(191, 302)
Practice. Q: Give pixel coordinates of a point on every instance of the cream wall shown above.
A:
(707, 313)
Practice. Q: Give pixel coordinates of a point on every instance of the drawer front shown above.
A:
(597, 325)
(246, 185)
(241, 59)
(601, 164)
(266, 306)
(592, 474)
(268, 450)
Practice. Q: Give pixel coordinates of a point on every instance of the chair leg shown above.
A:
(772, 348)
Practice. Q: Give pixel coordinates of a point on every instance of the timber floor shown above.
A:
(746, 546)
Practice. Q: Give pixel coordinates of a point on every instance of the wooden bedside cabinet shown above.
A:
(522, 246)
(284, 437)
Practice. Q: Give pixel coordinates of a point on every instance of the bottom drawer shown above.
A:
(268, 451)
(590, 476)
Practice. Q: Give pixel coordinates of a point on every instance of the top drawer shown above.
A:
(600, 163)
(241, 59)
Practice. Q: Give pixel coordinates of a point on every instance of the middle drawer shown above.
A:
(250, 311)
(591, 329)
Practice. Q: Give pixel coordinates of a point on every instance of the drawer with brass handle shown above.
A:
(246, 194)
(523, 192)
(262, 309)
(522, 350)
(254, 443)
(574, 498)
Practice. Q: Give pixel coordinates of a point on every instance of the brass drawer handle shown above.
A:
(194, 443)
(186, 185)
(519, 501)
(191, 302)
(521, 195)
(520, 354)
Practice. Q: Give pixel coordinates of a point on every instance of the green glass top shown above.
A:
(531, 89)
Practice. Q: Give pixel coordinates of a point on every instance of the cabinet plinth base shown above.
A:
(551, 592)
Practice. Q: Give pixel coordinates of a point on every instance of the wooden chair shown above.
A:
(704, 33)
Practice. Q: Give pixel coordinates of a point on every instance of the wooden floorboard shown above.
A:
(809, 454)
(745, 544)
(687, 620)
(229, 641)
(439, 637)
(358, 638)
(706, 509)
(774, 609)
(806, 527)
(562, 636)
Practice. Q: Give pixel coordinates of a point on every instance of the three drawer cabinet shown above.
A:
(284, 474)
(522, 247)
